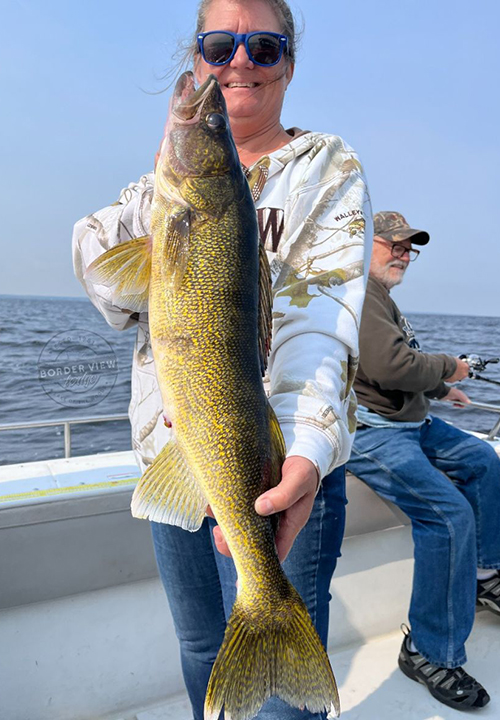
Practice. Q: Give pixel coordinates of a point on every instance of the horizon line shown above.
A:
(85, 298)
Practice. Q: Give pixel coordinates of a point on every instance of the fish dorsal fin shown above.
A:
(126, 269)
(169, 493)
(265, 316)
(278, 447)
(257, 176)
(278, 452)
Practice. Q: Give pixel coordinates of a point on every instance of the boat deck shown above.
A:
(79, 581)
(373, 688)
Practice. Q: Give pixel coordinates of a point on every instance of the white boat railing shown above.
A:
(484, 406)
(66, 423)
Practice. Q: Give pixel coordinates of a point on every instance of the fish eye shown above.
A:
(216, 121)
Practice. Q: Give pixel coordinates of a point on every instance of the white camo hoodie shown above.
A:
(315, 220)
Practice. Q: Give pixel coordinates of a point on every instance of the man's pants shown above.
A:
(201, 587)
(455, 522)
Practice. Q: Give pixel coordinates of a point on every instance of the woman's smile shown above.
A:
(254, 94)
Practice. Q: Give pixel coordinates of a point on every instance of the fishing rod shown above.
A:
(477, 365)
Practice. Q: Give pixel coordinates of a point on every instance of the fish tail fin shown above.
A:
(275, 653)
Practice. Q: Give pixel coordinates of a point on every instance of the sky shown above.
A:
(412, 85)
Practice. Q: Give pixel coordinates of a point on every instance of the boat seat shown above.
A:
(77, 534)
(367, 512)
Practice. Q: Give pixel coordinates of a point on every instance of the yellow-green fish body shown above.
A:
(210, 322)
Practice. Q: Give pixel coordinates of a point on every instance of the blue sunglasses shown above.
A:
(218, 47)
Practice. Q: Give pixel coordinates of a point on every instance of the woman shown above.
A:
(314, 215)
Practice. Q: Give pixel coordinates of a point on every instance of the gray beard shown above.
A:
(382, 275)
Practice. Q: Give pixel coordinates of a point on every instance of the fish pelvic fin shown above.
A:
(275, 654)
(126, 269)
(169, 493)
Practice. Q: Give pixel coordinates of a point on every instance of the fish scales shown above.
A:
(212, 376)
(206, 285)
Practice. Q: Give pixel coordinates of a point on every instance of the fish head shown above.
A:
(198, 153)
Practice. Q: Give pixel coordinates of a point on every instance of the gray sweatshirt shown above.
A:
(394, 378)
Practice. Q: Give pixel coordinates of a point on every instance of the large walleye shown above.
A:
(208, 285)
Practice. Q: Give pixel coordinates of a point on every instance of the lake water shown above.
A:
(40, 337)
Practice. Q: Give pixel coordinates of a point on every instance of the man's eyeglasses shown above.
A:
(398, 250)
(218, 47)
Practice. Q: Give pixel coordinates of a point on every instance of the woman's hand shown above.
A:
(293, 497)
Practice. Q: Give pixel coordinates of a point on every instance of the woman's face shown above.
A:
(261, 96)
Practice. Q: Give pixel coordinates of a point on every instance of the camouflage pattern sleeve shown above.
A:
(319, 275)
(123, 220)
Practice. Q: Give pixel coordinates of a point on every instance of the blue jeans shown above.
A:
(201, 587)
(455, 522)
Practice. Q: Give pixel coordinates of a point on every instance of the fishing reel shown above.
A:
(477, 365)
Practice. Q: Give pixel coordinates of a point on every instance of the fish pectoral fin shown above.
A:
(277, 653)
(169, 493)
(126, 270)
(265, 317)
(177, 247)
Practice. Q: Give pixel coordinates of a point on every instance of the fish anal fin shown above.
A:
(126, 270)
(169, 493)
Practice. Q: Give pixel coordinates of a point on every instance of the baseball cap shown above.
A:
(392, 226)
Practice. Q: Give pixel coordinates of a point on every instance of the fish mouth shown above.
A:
(190, 148)
(187, 102)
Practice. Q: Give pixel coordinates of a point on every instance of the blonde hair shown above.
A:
(280, 8)
(187, 50)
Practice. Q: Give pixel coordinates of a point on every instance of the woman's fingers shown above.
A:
(220, 542)
(293, 498)
(291, 523)
(299, 477)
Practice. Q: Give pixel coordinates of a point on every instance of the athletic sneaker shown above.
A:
(488, 594)
(451, 686)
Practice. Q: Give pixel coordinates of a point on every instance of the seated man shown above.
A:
(402, 453)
